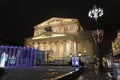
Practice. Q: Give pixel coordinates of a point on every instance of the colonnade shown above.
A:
(58, 49)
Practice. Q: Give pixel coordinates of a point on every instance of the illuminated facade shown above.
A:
(62, 37)
(116, 45)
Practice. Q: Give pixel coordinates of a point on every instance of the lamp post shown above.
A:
(98, 37)
(70, 61)
(79, 54)
(95, 13)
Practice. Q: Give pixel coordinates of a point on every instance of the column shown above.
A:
(50, 44)
(57, 50)
(61, 50)
(69, 47)
(74, 47)
(44, 46)
(51, 51)
(54, 50)
(41, 46)
(65, 48)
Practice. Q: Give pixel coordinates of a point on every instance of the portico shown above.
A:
(61, 37)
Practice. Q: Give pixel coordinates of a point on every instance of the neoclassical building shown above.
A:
(116, 45)
(61, 38)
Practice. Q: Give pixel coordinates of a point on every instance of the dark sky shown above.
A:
(17, 17)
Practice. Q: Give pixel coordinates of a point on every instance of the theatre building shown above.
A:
(62, 38)
(116, 45)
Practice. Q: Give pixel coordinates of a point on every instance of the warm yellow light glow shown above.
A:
(63, 42)
(40, 37)
(119, 36)
(44, 24)
(84, 51)
(79, 54)
(71, 72)
(43, 37)
(66, 20)
(113, 48)
(58, 35)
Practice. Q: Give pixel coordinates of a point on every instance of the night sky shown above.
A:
(17, 17)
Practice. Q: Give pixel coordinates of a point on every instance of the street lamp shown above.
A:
(98, 37)
(79, 54)
(95, 13)
(70, 61)
(70, 55)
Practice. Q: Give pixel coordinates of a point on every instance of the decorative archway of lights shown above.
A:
(18, 56)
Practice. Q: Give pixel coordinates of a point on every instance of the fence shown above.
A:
(19, 56)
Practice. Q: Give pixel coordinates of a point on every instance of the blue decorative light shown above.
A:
(18, 56)
(75, 61)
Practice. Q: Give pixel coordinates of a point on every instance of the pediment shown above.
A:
(55, 21)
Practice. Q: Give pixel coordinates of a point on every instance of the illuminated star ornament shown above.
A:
(95, 12)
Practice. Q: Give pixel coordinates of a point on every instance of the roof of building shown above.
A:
(57, 21)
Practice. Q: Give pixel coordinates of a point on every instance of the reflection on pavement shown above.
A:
(90, 73)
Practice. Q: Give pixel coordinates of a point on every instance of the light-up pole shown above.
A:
(95, 13)
(98, 37)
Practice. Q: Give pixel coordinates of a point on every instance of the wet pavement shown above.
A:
(36, 73)
(94, 74)
(57, 73)
(90, 73)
